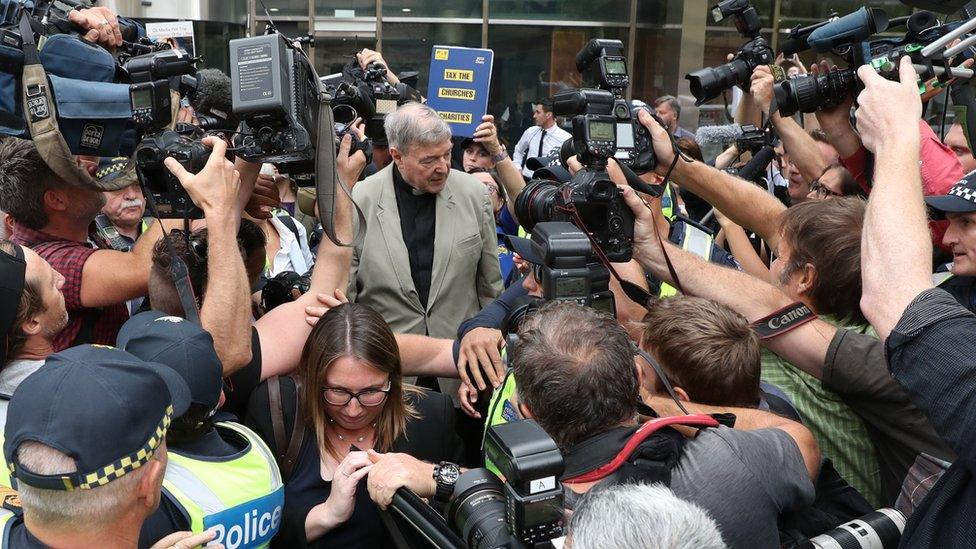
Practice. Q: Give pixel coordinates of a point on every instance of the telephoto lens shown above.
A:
(879, 529)
(477, 511)
(813, 92)
(710, 82)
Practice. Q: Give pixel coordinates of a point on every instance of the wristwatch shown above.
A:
(499, 156)
(446, 475)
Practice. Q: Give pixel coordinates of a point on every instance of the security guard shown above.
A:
(220, 475)
(958, 206)
(109, 412)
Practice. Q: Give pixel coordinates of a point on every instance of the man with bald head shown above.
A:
(429, 257)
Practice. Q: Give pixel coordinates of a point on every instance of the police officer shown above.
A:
(958, 206)
(85, 447)
(221, 475)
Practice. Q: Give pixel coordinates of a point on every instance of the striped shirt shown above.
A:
(840, 433)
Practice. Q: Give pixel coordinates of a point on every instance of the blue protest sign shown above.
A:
(458, 88)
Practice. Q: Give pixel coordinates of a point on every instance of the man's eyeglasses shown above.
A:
(821, 190)
(367, 398)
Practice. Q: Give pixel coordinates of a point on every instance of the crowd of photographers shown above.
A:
(630, 347)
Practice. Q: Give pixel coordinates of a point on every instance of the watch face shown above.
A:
(449, 473)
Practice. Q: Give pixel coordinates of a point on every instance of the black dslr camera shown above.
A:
(709, 82)
(570, 271)
(589, 200)
(154, 78)
(366, 94)
(523, 511)
(276, 95)
(603, 65)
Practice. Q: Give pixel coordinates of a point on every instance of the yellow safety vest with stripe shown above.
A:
(500, 409)
(241, 498)
(695, 240)
(6, 522)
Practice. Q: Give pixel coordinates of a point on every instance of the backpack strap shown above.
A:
(286, 452)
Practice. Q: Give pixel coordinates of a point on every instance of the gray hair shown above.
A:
(641, 516)
(74, 510)
(24, 178)
(415, 124)
(672, 102)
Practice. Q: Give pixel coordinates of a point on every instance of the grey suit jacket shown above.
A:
(465, 274)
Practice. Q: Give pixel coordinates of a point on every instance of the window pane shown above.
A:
(407, 46)
(533, 63)
(655, 62)
(332, 52)
(345, 8)
(562, 10)
(806, 12)
(433, 8)
(283, 7)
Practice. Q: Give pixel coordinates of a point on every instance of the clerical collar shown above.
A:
(399, 180)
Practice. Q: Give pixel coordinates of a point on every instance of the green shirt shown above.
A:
(840, 433)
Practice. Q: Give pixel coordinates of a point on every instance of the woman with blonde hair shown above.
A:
(350, 399)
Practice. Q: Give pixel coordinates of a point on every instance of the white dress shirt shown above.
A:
(528, 145)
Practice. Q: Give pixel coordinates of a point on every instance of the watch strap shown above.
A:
(499, 156)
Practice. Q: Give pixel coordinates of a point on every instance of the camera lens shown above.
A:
(812, 92)
(535, 203)
(710, 82)
(477, 510)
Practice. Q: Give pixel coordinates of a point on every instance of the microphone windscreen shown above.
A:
(718, 135)
(213, 95)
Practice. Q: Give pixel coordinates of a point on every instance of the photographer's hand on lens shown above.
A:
(342, 499)
(264, 197)
(187, 540)
(664, 149)
(101, 23)
(349, 166)
(480, 352)
(888, 112)
(313, 314)
(761, 87)
(368, 56)
(487, 135)
(216, 187)
(394, 471)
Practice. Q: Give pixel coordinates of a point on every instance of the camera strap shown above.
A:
(783, 320)
(42, 122)
(326, 176)
(642, 434)
(178, 271)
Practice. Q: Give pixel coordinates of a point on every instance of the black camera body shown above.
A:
(275, 94)
(570, 271)
(525, 511)
(167, 193)
(709, 82)
(752, 139)
(602, 63)
(591, 199)
(366, 94)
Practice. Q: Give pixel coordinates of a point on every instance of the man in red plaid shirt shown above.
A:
(54, 218)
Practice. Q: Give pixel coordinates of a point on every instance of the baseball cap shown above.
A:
(525, 248)
(103, 407)
(183, 346)
(468, 141)
(961, 198)
(13, 272)
(118, 170)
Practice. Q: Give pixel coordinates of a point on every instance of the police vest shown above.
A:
(696, 241)
(240, 498)
(500, 410)
(6, 521)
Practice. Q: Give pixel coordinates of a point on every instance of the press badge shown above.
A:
(509, 413)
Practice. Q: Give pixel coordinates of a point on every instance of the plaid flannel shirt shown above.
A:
(68, 258)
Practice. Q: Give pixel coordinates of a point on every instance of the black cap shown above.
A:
(104, 408)
(13, 273)
(555, 173)
(961, 198)
(526, 249)
(182, 345)
(468, 141)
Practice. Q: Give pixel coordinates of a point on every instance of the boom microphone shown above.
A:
(212, 100)
(718, 135)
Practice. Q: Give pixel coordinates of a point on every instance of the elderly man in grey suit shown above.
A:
(429, 259)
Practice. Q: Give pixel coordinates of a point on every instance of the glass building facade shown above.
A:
(535, 41)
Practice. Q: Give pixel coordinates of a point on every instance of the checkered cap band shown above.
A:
(115, 166)
(101, 477)
(963, 191)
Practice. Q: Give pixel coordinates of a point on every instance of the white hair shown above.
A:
(63, 510)
(415, 124)
(641, 516)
